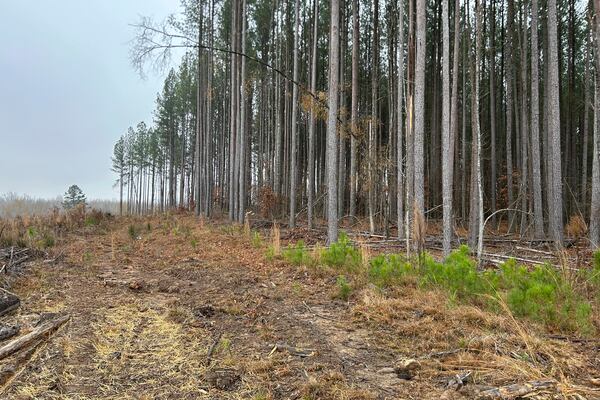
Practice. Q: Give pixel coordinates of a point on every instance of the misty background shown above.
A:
(68, 91)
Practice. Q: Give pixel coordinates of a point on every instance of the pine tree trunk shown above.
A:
(595, 204)
(477, 129)
(446, 145)
(556, 206)
(331, 156)
(374, 123)
(538, 215)
(400, 130)
(243, 133)
(419, 99)
(492, 61)
(294, 131)
(232, 115)
(509, 109)
(312, 122)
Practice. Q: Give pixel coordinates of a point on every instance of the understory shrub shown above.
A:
(543, 294)
(344, 288)
(388, 270)
(457, 274)
(342, 254)
(297, 254)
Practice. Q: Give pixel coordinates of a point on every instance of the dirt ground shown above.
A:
(167, 308)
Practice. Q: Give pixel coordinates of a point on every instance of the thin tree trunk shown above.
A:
(294, 131)
(556, 206)
(334, 58)
(476, 127)
(595, 204)
(312, 122)
(446, 142)
(232, 115)
(509, 108)
(374, 123)
(492, 61)
(400, 130)
(538, 215)
(243, 134)
(419, 135)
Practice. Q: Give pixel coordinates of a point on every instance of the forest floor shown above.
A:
(167, 308)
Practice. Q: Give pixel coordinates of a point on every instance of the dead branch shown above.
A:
(8, 331)
(32, 336)
(516, 390)
(212, 348)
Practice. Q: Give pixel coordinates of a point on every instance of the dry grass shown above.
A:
(150, 343)
(148, 353)
(496, 348)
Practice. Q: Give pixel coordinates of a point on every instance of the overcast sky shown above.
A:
(68, 91)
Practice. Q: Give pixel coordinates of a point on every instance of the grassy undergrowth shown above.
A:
(562, 302)
(43, 231)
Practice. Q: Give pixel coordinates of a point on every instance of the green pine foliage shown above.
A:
(73, 197)
(390, 269)
(342, 255)
(344, 288)
(297, 254)
(542, 294)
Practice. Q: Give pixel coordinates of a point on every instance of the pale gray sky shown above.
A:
(68, 91)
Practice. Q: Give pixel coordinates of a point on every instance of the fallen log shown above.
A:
(8, 302)
(8, 331)
(516, 390)
(25, 340)
(17, 363)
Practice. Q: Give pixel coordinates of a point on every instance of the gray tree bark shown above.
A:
(538, 214)
(419, 135)
(595, 203)
(331, 148)
(312, 122)
(294, 132)
(374, 124)
(243, 125)
(556, 204)
(446, 142)
(354, 107)
(400, 130)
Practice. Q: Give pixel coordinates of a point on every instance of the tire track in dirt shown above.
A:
(280, 330)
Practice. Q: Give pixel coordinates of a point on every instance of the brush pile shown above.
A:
(12, 258)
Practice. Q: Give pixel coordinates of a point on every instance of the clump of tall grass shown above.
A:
(41, 231)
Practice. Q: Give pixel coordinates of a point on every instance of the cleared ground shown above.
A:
(167, 308)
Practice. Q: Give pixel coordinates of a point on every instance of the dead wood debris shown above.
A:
(26, 340)
(295, 351)
(516, 390)
(12, 257)
(8, 331)
(8, 302)
(405, 369)
(212, 348)
(223, 378)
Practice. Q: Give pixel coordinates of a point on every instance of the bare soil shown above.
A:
(174, 309)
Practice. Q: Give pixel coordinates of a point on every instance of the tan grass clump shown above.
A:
(276, 238)
(576, 227)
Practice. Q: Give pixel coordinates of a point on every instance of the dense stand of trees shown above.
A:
(473, 112)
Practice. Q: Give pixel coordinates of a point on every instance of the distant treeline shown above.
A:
(13, 204)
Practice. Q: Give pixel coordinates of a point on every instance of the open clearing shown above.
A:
(185, 310)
